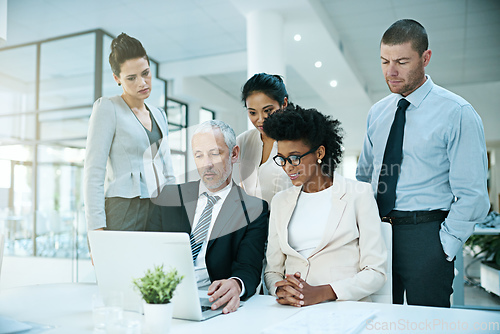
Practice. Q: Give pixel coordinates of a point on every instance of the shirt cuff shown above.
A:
(242, 285)
(452, 244)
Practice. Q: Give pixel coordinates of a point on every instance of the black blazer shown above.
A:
(237, 241)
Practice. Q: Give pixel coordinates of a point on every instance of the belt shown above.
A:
(414, 217)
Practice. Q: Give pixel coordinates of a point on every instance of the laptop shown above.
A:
(120, 256)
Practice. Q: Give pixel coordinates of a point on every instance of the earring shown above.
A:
(319, 161)
(119, 84)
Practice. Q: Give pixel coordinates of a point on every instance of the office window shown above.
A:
(108, 84)
(67, 124)
(59, 225)
(67, 72)
(17, 93)
(17, 80)
(206, 115)
(177, 136)
(20, 127)
(47, 90)
(16, 198)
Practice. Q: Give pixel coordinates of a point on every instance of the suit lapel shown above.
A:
(225, 222)
(163, 144)
(133, 121)
(156, 114)
(190, 199)
(287, 212)
(335, 213)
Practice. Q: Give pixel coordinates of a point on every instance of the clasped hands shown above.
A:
(295, 291)
(225, 291)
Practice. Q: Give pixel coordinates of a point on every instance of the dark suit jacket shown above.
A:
(237, 241)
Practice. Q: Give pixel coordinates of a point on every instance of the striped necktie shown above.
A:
(199, 234)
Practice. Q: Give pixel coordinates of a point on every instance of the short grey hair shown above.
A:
(226, 130)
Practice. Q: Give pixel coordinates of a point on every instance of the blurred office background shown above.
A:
(54, 65)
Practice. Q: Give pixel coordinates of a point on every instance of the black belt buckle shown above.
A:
(387, 220)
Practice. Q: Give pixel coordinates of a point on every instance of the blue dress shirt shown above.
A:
(444, 163)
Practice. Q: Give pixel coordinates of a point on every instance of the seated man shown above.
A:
(227, 227)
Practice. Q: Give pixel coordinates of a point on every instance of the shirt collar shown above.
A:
(221, 193)
(420, 93)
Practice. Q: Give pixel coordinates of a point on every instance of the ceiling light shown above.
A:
(297, 37)
(333, 83)
(318, 64)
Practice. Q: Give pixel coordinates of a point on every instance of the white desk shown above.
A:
(68, 307)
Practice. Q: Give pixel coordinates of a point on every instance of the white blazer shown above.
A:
(118, 159)
(351, 256)
(262, 181)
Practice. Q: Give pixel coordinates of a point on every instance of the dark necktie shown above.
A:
(391, 165)
(199, 234)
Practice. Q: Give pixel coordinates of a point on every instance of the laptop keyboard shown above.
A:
(205, 308)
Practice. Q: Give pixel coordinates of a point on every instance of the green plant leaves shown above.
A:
(489, 245)
(157, 287)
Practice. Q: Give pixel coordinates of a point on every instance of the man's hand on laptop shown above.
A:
(225, 291)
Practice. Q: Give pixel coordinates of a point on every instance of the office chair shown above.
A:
(384, 295)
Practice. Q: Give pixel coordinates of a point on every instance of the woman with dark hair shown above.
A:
(126, 145)
(262, 95)
(325, 240)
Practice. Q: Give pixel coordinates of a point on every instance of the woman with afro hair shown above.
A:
(325, 240)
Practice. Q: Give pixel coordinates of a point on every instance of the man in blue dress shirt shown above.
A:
(440, 181)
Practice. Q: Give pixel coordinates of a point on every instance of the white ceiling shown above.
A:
(206, 39)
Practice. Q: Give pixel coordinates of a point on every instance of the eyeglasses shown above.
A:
(293, 160)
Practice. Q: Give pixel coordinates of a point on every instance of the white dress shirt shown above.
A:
(262, 181)
(200, 266)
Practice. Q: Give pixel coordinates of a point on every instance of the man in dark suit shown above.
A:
(227, 227)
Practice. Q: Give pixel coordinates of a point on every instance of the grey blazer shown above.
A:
(119, 160)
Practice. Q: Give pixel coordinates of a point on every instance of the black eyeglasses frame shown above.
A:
(298, 157)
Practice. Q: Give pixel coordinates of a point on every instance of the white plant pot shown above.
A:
(158, 317)
(490, 278)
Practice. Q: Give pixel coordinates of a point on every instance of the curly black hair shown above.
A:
(310, 126)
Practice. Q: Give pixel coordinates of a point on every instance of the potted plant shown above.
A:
(157, 289)
(488, 246)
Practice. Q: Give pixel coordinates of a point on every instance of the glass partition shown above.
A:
(16, 198)
(109, 85)
(17, 80)
(20, 127)
(47, 90)
(60, 175)
(177, 137)
(67, 72)
(206, 115)
(64, 124)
